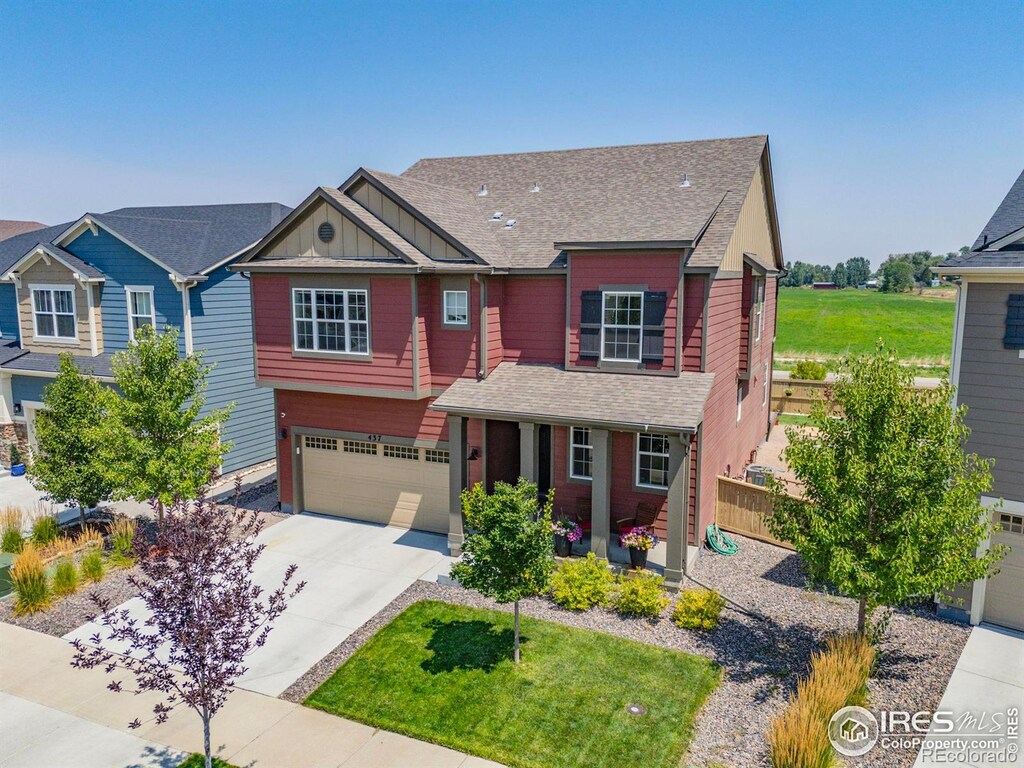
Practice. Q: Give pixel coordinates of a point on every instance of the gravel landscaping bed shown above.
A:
(762, 656)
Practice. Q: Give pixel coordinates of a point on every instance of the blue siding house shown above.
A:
(84, 287)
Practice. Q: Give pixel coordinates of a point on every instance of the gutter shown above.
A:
(625, 426)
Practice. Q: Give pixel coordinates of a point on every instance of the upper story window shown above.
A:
(331, 320)
(652, 461)
(140, 308)
(581, 454)
(622, 326)
(456, 307)
(53, 312)
(758, 307)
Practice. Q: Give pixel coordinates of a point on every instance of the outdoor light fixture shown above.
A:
(474, 454)
(17, 409)
(283, 434)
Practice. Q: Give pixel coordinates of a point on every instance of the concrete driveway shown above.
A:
(352, 570)
(988, 679)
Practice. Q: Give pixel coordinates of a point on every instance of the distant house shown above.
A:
(987, 368)
(825, 286)
(86, 286)
(871, 284)
(12, 227)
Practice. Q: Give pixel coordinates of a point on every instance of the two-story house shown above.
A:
(987, 369)
(86, 286)
(599, 321)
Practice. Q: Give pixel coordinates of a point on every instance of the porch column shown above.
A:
(528, 450)
(6, 398)
(678, 510)
(456, 481)
(601, 492)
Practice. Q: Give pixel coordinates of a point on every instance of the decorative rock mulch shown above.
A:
(763, 643)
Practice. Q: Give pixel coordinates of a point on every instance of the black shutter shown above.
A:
(653, 348)
(590, 325)
(1014, 338)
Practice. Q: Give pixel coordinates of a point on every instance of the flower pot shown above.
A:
(638, 557)
(17, 470)
(563, 547)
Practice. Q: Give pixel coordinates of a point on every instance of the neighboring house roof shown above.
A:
(1006, 224)
(84, 271)
(187, 239)
(14, 359)
(1008, 218)
(631, 194)
(578, 397)
(12, 227)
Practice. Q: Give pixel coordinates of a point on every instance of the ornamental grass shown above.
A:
(65, 578)
(122, 537)
(11, 519)
(90, 538)
(28, 575)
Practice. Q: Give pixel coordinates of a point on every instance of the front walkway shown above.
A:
(251, 730)
(351, 569)
(988, 679)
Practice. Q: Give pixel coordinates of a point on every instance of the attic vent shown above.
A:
(510, 223)
(535, 187)
(325, 232)
(483, 191)
(496, 216)
(686, 181)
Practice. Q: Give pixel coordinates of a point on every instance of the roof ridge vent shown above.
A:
(510, 223)
(685, 183)
(496, 216)
(483, 191)
(535, 187)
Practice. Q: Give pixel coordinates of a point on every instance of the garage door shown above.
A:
(378, 482)
(1003, 603)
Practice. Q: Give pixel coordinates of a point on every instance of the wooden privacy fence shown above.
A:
(796, 395)
(743, 508)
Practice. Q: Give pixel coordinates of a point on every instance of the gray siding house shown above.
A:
(85, 286)
(987, 369)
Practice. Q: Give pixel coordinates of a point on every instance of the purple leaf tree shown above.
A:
(206, 615)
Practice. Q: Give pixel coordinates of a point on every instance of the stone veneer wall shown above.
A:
(8, 434)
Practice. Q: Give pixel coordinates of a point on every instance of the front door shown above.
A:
(502, 454)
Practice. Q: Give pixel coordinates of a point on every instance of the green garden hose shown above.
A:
(721, 543)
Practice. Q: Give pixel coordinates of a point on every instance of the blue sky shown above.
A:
(893, 126)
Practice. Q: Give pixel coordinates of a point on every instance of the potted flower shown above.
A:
(17, 466)
(567, 532)
(639, 541)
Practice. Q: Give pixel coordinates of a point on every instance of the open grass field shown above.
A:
(444, 674)
(827, 324)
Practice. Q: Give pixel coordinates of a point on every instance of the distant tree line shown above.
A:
(851, 273)
(899, 272)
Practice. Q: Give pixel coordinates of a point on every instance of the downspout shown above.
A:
(186, 309)
(481, 371)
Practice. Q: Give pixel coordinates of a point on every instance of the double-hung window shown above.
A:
(758, 307)
(331, 320)
(456, 307)
(652, 461)
(53, 312)
(622, 325)
(140, 308)
(581, 454)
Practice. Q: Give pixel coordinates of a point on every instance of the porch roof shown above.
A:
(549, 394)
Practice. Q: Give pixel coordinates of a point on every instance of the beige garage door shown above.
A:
(1004, 603)
(377, 482)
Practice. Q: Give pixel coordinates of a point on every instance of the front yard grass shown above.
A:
(444, 673)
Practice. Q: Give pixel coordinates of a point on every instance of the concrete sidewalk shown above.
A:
(251, 730)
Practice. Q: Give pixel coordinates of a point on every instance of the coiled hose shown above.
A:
(721, 543)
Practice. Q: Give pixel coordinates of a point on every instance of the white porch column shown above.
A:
(601, 492)
(6, 398)
(528, 450)
(678, 510)
(456, 482)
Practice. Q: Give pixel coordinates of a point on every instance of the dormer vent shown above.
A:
(483, 191)
(496, 216)
(686, 181)
(535, 187)
(510, 223)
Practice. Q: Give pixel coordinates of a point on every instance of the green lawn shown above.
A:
(443, 673)
(833, 323)
(794, 419)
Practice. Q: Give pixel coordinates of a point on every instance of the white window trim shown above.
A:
(764, 386)
(444, 307)
(128, 291)
(640, 327)
(316, 337)
(759, 297)
(573, 445)
(638, 452)
(739, 402)
(32, 306)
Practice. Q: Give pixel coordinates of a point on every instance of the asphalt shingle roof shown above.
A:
(614, 399)
(14, 359)
(12, 227)
(1008, 218)
(188, 239)
(608, 194)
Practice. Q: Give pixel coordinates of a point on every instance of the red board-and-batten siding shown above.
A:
(658, 272)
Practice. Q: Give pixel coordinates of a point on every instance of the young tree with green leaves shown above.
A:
(156, 443)
(508, 554)
(891, 507)
(67, 467)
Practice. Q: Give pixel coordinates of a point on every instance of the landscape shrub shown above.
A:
(10, 529)
(798, 738)
(65, 578)
(28, 576)
(45, 530)
(641, 595)
(92, 565)
(809, 370)
(581, 584)
(12, 541)
(122, 536)
(698, 609)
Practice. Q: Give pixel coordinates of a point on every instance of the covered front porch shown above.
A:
(617, 449)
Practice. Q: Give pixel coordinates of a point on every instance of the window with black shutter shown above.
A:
(654, 326)
(1014, 337)
(590, 325)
